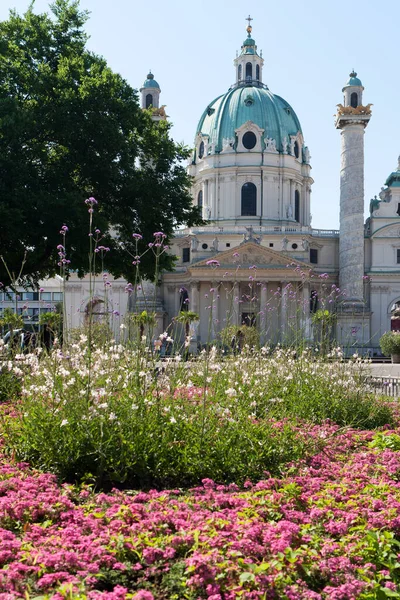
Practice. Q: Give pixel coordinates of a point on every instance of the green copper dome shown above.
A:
(248, 103)
(353, 80)
(150, 82)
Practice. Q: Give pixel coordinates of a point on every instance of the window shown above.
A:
(149, 100)
(204, 246)
(185, 255)
(271, 245)
(201, 150)
(313, 256)
(249, 200)
(313, 302)
(249, 140)
(249, 319)
(228, 244)
(45, 296)
(296, 150)
(249, 71)
(295, 246)
(297, 206)
(398, 209)
(398, 256)
(258, 72)
(354, 100)
(57, 296)
(239, 72)
(184, 299)
(200, 199)
(30, 296)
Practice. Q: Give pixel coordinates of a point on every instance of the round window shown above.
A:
(204, 246)
(294, 246)
(249, 140)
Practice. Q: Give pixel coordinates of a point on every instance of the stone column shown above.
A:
(351, 240)
(215, 308)
(283, 310)
(263, 310)
(305, 310)
(195, 296)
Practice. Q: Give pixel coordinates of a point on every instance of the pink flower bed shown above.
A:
(329, 530)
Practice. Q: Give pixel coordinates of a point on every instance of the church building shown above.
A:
(257, 260)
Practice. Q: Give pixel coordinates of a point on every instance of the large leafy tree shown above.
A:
(70, 128)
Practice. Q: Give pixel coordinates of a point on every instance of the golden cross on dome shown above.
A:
(249, 19)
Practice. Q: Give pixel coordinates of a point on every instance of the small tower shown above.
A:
(352, 118)
(249, 63)
(150, 97)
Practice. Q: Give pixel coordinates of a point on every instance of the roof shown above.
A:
(150, 82)
(353, 81)
(254, 103)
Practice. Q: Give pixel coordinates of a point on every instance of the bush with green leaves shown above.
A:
(390, 342)
(115, 416)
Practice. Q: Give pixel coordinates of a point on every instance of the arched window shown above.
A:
(354, 99)
(239, 72)
(200, 199)
(296, 150)
(249, 71)
(249, 200)
(297, 206)
(258, 72)
(149, 100)
(201, 150)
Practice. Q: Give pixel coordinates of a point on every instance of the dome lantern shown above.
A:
(249, 63)
(150, 92)
(352, 91)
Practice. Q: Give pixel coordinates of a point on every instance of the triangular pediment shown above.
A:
(248, 254)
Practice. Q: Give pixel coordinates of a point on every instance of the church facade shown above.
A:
(257, 260)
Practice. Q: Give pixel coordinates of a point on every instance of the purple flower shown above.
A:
(91, 201)
(159, 234)
(213, 263)
(137, 236)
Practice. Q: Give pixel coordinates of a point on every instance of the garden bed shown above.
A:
(329, 529)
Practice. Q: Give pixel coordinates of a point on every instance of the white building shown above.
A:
(252, 180)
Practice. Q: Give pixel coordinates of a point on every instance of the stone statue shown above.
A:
(194, 242)
(215, 244)
(270, 145)
(292, 143)
(285, 242)
(289, 212)
(398, 164)
(305, 244)
(227, 144)
(307, 156)
(208, 212)
(284, 145)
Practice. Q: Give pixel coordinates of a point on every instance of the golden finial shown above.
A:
(249, 27)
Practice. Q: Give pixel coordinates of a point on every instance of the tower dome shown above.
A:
(250, 164)
(252, 102)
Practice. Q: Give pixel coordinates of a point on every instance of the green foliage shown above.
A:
(11, 320)
(236, 337)
(115, 416)
(53, 320)
(71, 128)
(10, 386)
(390, 343)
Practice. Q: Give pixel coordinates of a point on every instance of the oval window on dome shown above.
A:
(249, 140)
(296, 150)
(201, 150)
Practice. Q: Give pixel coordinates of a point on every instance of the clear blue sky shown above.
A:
(309, 49)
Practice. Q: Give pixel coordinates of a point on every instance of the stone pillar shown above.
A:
(353, 323)
(215, 309)
(351, 240)
(195, 296)
(283, 311)
(305, 310)
(263, 310)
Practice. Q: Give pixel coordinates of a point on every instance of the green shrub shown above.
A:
(390, 342)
